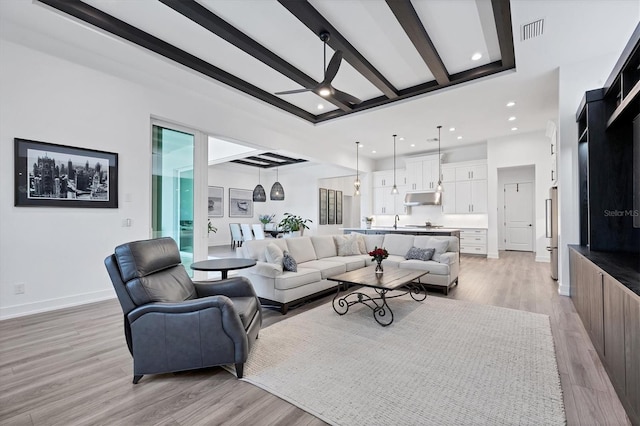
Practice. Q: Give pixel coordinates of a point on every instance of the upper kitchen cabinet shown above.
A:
(465, 187)
(422, 173)
(383, 202)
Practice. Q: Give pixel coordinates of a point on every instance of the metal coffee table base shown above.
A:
(382, 312)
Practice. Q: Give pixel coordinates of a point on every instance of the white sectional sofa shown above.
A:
(319, 257)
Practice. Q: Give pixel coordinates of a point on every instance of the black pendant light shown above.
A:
(439, 188)
(259, 195)
(277, 191)
(394, 190)
(357, 182)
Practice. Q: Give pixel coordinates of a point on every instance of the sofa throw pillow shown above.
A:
(439, 245)
(273, 254)
(361, 244)
(289, 262)
(419, 254)
(347, 246)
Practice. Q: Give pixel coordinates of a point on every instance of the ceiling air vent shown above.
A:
(531, 30)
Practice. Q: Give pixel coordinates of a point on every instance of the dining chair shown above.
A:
(236, 235)
(247, 234)
(258, 232)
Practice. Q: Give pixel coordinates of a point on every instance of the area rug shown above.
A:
(440, 362)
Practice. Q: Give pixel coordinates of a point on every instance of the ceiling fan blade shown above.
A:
(334, 65)
(290, 92)
(345, 97)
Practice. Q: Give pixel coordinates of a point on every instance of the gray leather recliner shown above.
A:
(172, 323)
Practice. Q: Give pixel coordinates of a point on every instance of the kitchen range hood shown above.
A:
(423, 198)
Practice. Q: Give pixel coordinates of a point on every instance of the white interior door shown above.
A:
(518, 216)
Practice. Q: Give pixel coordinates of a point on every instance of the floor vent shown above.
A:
(531, 30)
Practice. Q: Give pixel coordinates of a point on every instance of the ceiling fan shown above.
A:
(324, 88)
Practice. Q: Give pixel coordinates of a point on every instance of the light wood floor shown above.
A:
(71, 367)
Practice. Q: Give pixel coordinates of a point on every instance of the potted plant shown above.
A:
(266, 219)
(295, 225)
(368, 220)
(210, 227)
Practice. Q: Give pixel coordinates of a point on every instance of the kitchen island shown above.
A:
(378, 230)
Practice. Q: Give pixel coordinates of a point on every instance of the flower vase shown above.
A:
(379, 269)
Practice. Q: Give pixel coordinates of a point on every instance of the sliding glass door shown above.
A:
(172, 192)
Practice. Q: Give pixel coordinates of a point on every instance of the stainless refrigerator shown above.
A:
(551, 210)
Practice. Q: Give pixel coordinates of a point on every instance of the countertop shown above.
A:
(401, 229)
(624, 267)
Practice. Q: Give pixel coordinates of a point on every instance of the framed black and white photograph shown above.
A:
(51, 175)
(322, 206)
(215, 201)
(331, 207)
(338, 207)
(240, 202)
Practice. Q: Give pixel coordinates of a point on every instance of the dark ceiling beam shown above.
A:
(309, 16)
(218, 26)
(119, 28)
(412, 26)
(421, 89)
(502, 16)
(249, 163)
(289, 160)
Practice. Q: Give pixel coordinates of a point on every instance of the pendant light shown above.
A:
(277, 191)
(439, 187)
(357, 182)
(394, 190)
(259, 195)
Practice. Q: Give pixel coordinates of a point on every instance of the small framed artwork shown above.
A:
(51, 175)
(240, 202)
(331, 207)
(215, 201)
(322, 206)
(338, 207)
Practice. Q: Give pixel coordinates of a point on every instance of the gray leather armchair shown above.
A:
(172, 323)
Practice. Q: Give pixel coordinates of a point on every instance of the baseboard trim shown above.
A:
(41, 306)
(563, 290)
(493, 256)
(543, 259)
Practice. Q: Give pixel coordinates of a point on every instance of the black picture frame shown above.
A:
(331, 210)
(240, 202)
(322, 206)
(215, 201)
(338, 207)
(52, 175)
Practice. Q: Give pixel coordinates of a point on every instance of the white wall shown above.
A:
(528, 149)
(58, 252)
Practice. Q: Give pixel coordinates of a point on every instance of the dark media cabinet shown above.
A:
(605, 267)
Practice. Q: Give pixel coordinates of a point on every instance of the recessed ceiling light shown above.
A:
(452, 129)
(476, 56)
(320, 106)
(360, 145)
(510, 104)
(324, 92)
(514, 128)
(412, 145)
(373, 152)
(512, 118)
(459, 137)
(401, 138)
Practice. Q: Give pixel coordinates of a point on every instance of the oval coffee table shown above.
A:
(223, 265)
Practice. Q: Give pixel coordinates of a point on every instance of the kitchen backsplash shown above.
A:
(421, 214)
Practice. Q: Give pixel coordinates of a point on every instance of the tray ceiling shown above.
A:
(392, 50)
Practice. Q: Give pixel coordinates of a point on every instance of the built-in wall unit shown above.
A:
(605, 266)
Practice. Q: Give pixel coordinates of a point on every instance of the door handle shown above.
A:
(549, 248)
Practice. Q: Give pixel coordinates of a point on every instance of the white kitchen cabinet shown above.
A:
(384, 203)
(422, 173)
(383, 179)
(473, 241)
(475, 172)
(448, 174)
(449, 197)
(471, 196)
